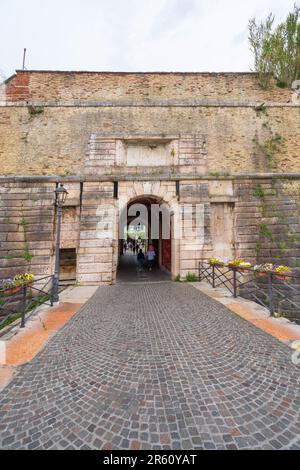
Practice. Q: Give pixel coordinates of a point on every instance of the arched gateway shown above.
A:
(147, 221)
(147, 211)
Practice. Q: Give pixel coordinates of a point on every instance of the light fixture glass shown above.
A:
(61, 195)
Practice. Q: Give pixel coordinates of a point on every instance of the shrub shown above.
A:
(191, 277)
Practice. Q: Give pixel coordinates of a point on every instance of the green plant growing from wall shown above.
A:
(65, 173)
(191, 277)
(218, 174)
(258, 248)
(271, 146)
(294, 238)
(282, 245)
(259, 192)
(35, 110)
(265, 232)
(261, 108)
(27, 256)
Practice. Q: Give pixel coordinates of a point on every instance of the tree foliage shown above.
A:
(276, 49)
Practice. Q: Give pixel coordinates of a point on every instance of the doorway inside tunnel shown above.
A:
(145, 240)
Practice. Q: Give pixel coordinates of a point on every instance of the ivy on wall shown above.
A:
(268, 142)
(27, 256)
(275, 232)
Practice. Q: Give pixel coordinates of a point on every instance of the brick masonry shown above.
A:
(60, 137)
(26, 228)
(61, 117)
(114, 86)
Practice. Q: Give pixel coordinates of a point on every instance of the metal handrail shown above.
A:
(24, 299)
(245, 283)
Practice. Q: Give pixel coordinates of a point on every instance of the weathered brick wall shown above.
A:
(53, 123)
(267, 222)
(212, 204)
(126, 87)
(257, 220)
(59, 140)
(96, 262)
(268, 231)
(26, 228)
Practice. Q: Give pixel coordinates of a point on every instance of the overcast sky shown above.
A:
(131, 35)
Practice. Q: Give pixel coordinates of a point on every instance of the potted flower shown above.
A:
(21, 279)
(8, 286)
(215, 262)
(244, 266)
(263, 269)
(282, 272)
(13, 285)
(233, 264)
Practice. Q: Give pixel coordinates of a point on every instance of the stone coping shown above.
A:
(148, 104)
(124, 72)
(155, 176)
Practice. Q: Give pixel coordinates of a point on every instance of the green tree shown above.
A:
(276, 49)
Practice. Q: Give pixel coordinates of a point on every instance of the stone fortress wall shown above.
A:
(217, 140)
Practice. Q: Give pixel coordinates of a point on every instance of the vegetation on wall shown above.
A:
(276, 50)
(35, 110)
(276, 234)
(269, 143)
(271, 146)
(27, 256)
(217, 174)
(259, 191)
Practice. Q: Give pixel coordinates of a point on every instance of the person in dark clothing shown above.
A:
(140, 260)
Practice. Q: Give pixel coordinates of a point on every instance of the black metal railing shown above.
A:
(277, 292)
(17, 303)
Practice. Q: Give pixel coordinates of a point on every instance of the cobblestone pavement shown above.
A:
(154, 366)
(128, 271)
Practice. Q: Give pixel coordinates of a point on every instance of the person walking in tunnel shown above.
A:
(151, 257)
(140, 259)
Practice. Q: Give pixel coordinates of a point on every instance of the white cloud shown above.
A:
(133, 35)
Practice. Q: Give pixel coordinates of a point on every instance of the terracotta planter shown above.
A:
(244, 270)
(218, 265)
(281, 277)
(261, 273)
(12, 290)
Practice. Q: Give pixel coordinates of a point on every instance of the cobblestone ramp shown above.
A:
(154, 366)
